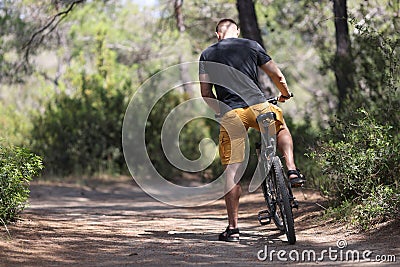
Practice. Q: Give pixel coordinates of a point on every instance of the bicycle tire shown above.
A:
(269, 192)
(283, 200)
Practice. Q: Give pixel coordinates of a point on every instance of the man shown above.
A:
(240, 107)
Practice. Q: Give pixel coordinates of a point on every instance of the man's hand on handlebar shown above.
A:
(283, 98)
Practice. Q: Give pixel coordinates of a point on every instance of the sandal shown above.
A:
(227, 235)
(299, 180)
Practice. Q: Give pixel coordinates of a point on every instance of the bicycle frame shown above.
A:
(266, 152)
(276, 189)
(268, 136)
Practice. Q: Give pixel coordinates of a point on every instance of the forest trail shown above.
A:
(117, 224)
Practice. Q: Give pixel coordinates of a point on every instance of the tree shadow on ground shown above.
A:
(119, 225)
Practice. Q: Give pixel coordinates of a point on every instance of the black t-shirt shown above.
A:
(231, 65)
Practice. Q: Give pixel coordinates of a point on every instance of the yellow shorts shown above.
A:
(234, 126)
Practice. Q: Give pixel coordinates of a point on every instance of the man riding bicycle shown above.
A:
(244, 105)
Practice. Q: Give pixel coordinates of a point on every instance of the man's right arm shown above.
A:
(277, 78)
(207, 93)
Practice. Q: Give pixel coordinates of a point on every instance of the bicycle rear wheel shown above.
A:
(284, 208)
(269, 191)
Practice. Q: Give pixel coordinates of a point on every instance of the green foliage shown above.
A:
(381, 205)
(305, 136)
(364, 146)
(341, 213)
(104, 49)
(17, 168)
(113, 49)
(154, 125)
(12, 36)
(81, 132)
(376, 50)
(358, 156)
(189, 137)
(14, 126)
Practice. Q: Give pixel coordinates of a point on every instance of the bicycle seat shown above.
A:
(269, 117)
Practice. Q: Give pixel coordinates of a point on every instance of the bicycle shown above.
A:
(275, 186)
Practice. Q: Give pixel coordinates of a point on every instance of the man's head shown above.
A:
(227, 28)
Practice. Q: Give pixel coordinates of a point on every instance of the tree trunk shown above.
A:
(183, 68)
(248, 21)
(250, 30)
(343, 65)
(179, 16)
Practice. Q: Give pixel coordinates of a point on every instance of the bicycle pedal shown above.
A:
(264, 217)
(295, 204)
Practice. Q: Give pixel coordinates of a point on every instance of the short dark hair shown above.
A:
(222, 21)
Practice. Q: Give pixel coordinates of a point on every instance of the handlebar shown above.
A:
(274, 100)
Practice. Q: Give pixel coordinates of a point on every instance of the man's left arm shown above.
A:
(207, 93)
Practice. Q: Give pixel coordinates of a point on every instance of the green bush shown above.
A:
(364, 156)
(81, 133)
(17, 168)
(304, 136)
(154, 125)
(189, 137)
(359, 157)
(360, 153)
(382, 205)
(14, 125)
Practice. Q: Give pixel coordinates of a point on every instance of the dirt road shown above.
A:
(116, 224)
